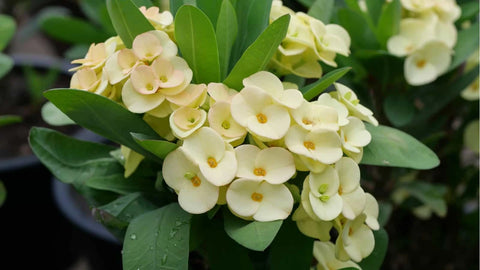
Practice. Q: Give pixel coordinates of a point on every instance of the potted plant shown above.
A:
(235, 140)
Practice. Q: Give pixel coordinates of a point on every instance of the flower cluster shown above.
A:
(308, 40)
(107, 66)
(427, 36)
(241, 148)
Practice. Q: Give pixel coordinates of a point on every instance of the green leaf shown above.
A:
(374, 8)
(6, 120)
(226, 32)
(399, 109)
(73, 161)
(127, 20)
(116, 215)
(6, 64)
(224, 253)
(467, 43)
(176, 4)
(118, 184)
(389, 21)
(307, 3)
(158, 240)
(196, 39)
(7, 29)
(254, 235)
(395, 148)
(433, 102)
(53, 116)
(362, 37)
(432, 195)
(72, 30)
(312, 90)
(385, 211)
(127, 207)
(3, 193)
(253, 17)
(103, 116)
(159, 148)
(258, 55)
(322, 10)
(469, 11)
(291, 249)
(76, 52)
(375, 259)
(211, 8)
(145, 3)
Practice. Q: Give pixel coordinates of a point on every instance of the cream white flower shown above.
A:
(159, 20)
(221, 120)
(427, 63)
(330, 38)
(132, 160)
(472, 91)
(320, 145)
(315, 228)
(274, 165)
(215, 158)
(220, 92)
(87, 79)
(356, 240)
(186, 120)
(194, 95)
(97, 55)
(312, 116)
(271, 84)
(303, 163)
(326, 99)
(346, 96)
(354, 135)
(414, 33)
(349, 188)
(320, 196)
(371, 212)
(324, 253)
(196, 195)
(259, 200)
(255, 110)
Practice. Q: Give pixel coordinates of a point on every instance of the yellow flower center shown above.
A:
(257, 197)
(259, 172)
(306, 121)
(340, 190)
(350, 231)
(212, 162)
(226, 124)
(309, 145)
(262, 118)
(196, 181)
(163, 78)
(421, 63)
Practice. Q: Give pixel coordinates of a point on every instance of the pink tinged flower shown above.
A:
(186, 120)
(196, 195)
(274, 165)
(120, 65)
(259, 200)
